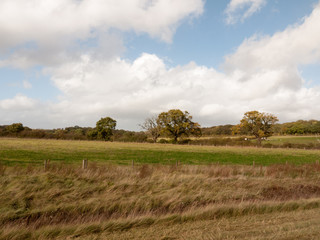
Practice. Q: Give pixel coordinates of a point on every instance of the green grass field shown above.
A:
(34, 151)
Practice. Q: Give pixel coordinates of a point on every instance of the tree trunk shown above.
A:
(259, 141)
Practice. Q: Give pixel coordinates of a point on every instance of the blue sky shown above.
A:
(207, 39)
(72, 62)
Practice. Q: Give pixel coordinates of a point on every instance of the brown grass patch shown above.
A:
(120, 198)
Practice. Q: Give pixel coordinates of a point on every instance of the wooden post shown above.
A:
(84, 163)
(253, 164)
(132, 163)
(177, 163)
(45, 164)
(286, 162)
(260, 169)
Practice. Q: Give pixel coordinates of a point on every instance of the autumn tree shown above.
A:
(105, 127)
(176, 123)
(256, 124)
(152, 128)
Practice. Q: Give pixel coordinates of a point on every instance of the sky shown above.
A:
(70, 62)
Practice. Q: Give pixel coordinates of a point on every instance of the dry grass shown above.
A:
(159, 202)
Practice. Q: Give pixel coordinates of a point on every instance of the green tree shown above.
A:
(176, 123)
(15, 128)
(92, 134)
(105, 127)
(152, 128)
(256, 124)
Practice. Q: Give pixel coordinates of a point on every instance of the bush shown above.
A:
(163, 141)
(128, 136)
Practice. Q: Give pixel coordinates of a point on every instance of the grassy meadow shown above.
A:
(15, 151)
(155, 199)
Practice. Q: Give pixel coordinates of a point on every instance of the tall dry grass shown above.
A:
(67, 201)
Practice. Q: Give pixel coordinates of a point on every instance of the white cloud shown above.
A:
(131, 91)
(46, 32)
(239, 10)
(45, 21)
(280, 54)
(18, 103)
(93, 89)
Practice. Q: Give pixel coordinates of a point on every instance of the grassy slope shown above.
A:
(25, 151)
(160, 202)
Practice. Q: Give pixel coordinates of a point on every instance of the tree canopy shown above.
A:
(176, 123)
(299, 127)
(257, 124)
(105, 127)
(15, 128)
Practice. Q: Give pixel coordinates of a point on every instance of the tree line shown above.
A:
(173, 126)
(300, 127)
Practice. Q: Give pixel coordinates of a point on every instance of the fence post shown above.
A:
(84, 163)
(45, 164)
(132, 163)
(253, 164)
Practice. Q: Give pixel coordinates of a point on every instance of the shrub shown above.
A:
(163, 141)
